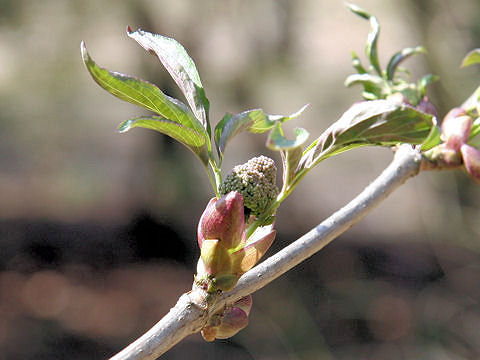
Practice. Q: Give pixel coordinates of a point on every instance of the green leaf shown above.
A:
(433, 138)
(373, 85)
(141, 93)
(255, 121)
(364, 79)
(371, 47)
(425, 81)
(400, 57)
(189, 137)
(378, 122)
(473, 57)
(181, 68)
(290, 150)
(231, 125)
(357, 64)
(473, 102)
(475, 129)
(277, 140)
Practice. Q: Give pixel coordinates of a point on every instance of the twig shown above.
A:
(193, 309)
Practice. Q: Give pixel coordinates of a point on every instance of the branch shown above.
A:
(193, 309)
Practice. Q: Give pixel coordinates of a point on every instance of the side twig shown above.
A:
(193, 309)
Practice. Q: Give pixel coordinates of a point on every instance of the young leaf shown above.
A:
(364, 79)
(401, 56)
(475, 129)
(256, 121)
(189, 137)
(357, 64)
(378, 122)
(473, 57)
(433, 138)
(277, 140)
(180, 67)
(371, 47)
(425, 81)
(142, 93)
(231, 125)
(290, 150)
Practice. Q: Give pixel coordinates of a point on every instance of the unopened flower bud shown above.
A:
(427, 107)
(223, 220)
(471, 159)
(225, 253)
(231, 322)
(456, 128)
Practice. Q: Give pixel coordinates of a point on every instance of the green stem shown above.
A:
(215, 177)
(284, 193)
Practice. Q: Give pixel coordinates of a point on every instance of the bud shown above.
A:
(427, 107)
(232, 321)
(456, 128)
(471, 159)
(225, 254)
(223, 220)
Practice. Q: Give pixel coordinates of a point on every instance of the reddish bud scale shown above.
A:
(225, 253)
(231, 322)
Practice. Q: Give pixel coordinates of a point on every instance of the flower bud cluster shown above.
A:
(255, 180)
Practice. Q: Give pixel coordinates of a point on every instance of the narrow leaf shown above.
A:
(473, 57)
(290, 150)
(378, 122)
(255, 121)
(277, 141)
(364, 79)
(371, 47)
(425, 81)
(401, 56)
(231, 125)
(290, 160)
(189, 137)
(180, 67)
(141, 93)
(357, 64)
(475, 129)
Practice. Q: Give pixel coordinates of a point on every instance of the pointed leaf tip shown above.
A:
(473, 57)
(181, 68)
(83, 51)
(129, 29)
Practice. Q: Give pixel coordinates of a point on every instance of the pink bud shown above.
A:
(223, 326)
(427, 107)
(223, 220)
(456, 128)
(233, 321)
(471, 159)
(245, 304)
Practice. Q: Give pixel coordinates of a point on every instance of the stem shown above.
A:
(216, 178)
(193, 310)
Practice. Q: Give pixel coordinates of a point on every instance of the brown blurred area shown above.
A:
(97, 229)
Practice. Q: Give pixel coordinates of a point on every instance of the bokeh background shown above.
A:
(97, 229)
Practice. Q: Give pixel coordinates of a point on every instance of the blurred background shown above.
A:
(98, 229)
